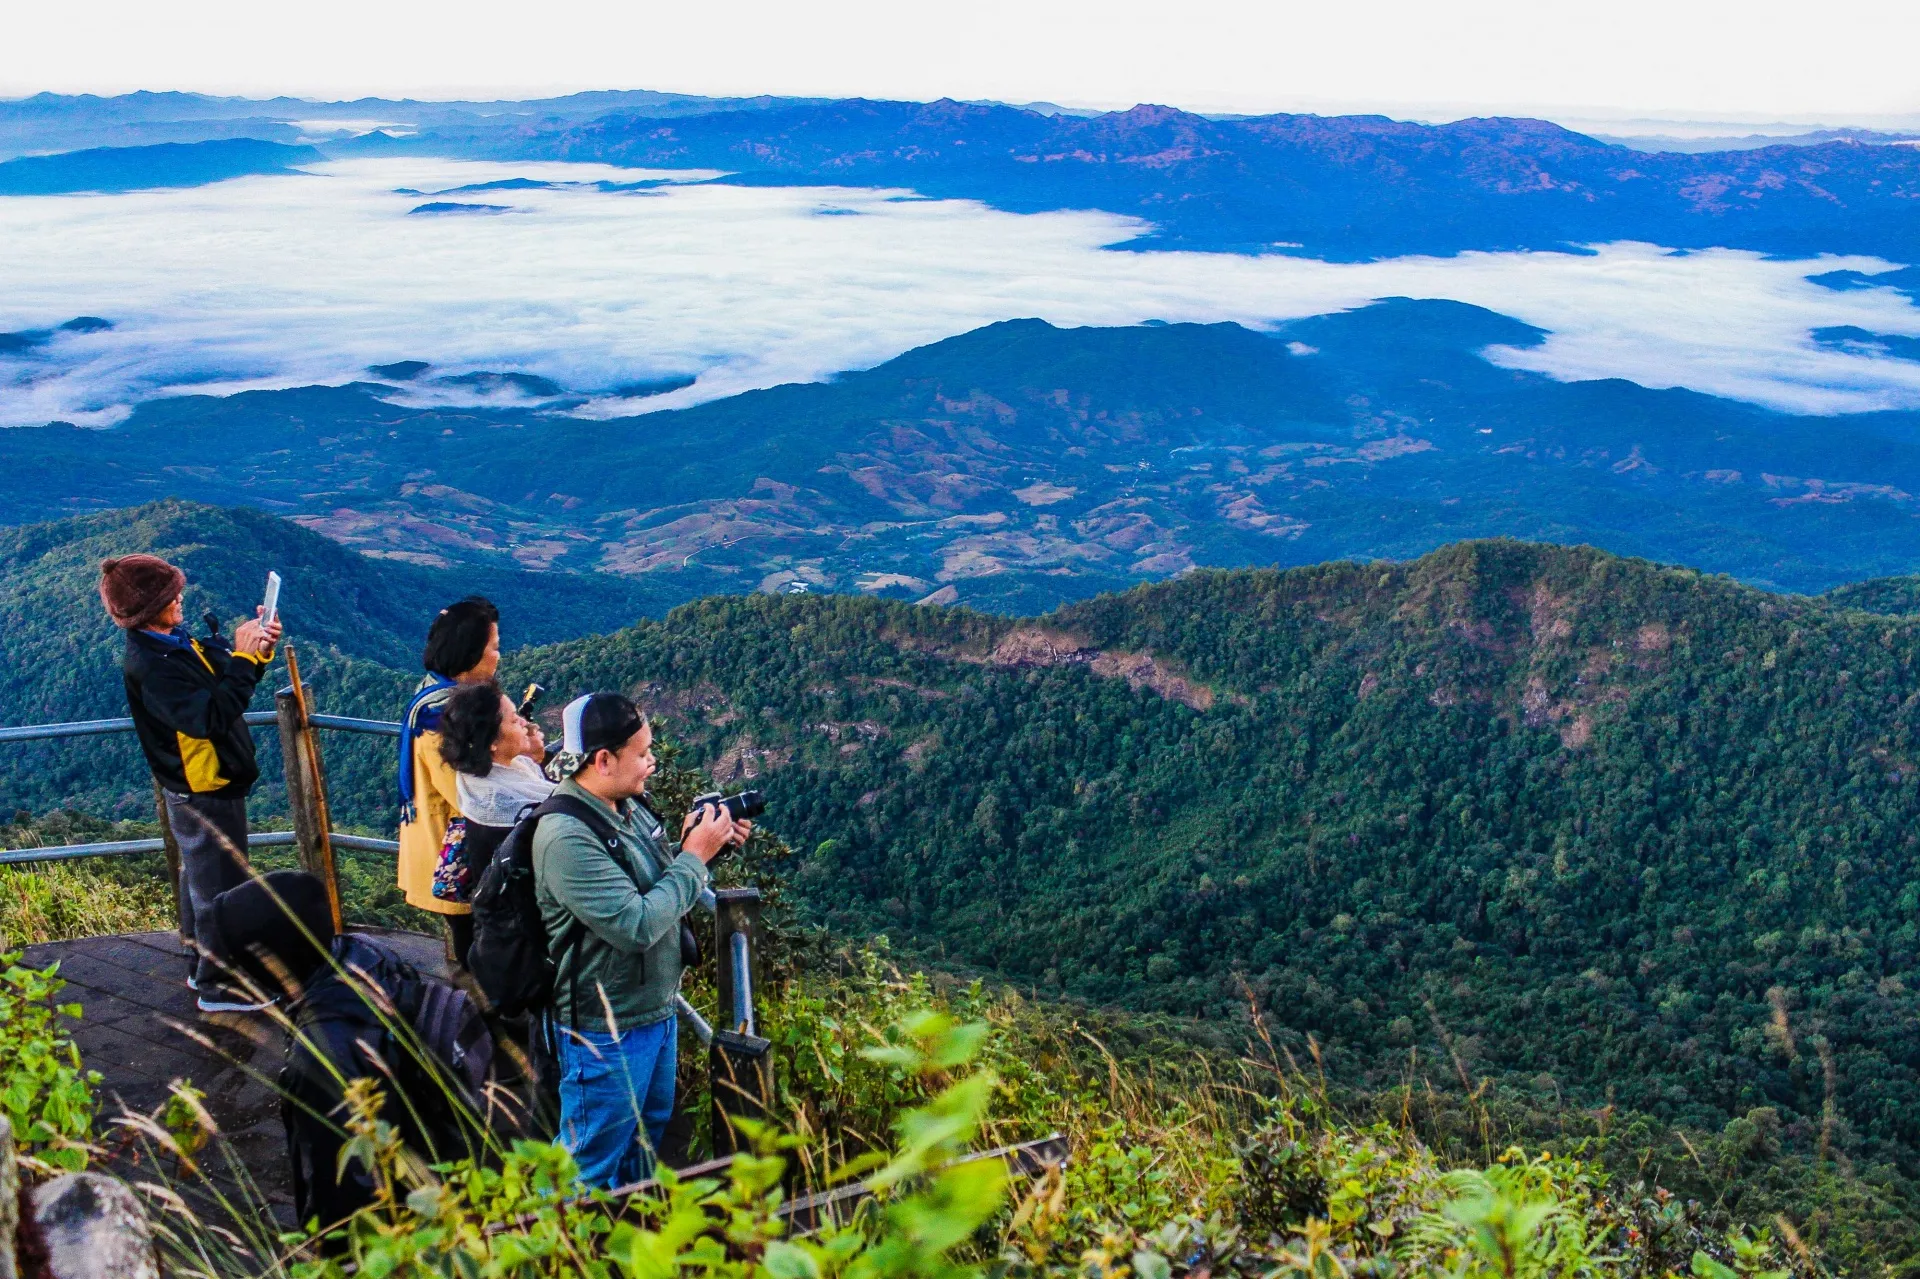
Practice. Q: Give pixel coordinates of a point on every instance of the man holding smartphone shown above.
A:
(188, 697)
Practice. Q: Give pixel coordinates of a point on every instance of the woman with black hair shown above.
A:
(463, 647)
(495, 753)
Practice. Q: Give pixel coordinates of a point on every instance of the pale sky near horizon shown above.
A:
(1843, 61)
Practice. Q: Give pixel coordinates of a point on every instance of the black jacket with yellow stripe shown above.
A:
(188, 698)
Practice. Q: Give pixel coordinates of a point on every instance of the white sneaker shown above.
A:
(221, 1000)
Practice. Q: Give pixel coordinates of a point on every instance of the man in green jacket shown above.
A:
(617, 1037)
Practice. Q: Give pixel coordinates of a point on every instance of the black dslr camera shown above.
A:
(744, 807)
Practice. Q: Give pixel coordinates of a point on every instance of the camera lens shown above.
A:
(746, 806)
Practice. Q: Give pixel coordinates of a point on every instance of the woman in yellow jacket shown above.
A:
(463, 647)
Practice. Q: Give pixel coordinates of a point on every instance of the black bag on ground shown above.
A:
(510, 958)
(372, 1014)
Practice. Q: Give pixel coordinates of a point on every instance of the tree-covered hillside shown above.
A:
(1607, 833)
(1628, 834)
(1889, 595)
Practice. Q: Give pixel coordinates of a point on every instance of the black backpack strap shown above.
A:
(603, 830)
(595, 820)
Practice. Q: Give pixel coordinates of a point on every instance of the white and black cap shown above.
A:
(597, 722)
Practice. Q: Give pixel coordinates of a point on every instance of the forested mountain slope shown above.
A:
(1641, 835)
(1608, 832)
(1889, 595)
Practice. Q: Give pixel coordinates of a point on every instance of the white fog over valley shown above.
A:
(310, 278)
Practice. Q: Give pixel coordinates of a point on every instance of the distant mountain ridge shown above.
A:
(1025, 465)
(166, 164)
(1334, 187)
(58, 122)
(1339, 187)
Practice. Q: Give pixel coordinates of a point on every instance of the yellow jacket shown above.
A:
(436, 803)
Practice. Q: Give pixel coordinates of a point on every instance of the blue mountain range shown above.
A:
(1334, 187)
(1025, 464)
(167, 164)
(1340, 188)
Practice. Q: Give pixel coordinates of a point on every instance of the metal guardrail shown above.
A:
(345, 724)
(135, 847)
(742, 984)
(255, 719)
(80, 728)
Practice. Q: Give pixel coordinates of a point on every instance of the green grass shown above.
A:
(1190, 1165)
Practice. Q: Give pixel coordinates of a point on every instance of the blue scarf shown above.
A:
(175, 638)
(423, 716)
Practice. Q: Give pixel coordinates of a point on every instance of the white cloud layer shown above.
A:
(283, 281)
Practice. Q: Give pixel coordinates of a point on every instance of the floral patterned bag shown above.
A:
(453, 874)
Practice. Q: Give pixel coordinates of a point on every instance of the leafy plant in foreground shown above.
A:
(530, 1216)
(46, 1093)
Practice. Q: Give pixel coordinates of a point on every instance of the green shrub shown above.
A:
(46, 1094)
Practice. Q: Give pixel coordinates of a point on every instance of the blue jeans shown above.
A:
(616, 1095)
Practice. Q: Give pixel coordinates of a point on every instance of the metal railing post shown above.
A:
(303, 787)
(171, 847)
(740, 1074)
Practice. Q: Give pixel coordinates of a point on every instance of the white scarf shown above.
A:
(508, 790)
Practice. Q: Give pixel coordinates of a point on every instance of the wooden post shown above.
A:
(740, 1076)
(181, 907)
(306, 785)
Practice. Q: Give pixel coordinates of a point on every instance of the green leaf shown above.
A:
(790, 1261)
(1707, 1268)
(1151, 1265)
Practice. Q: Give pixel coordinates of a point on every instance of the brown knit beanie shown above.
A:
(137, 588)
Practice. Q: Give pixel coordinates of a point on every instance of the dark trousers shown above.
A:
(459, 938)
(212, 833)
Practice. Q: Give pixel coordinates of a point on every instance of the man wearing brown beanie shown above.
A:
(188, 698)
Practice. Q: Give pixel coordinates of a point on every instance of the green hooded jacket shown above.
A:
(627, 961)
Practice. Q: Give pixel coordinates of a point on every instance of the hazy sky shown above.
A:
(1745, 59)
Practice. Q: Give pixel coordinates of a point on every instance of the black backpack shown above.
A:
(510, 957)
(432, 1073)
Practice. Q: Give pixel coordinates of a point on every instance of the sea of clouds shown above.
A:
(310, 278)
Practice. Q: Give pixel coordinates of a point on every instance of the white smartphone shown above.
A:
(273, 597)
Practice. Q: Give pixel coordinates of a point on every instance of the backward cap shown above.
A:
(599, 721)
